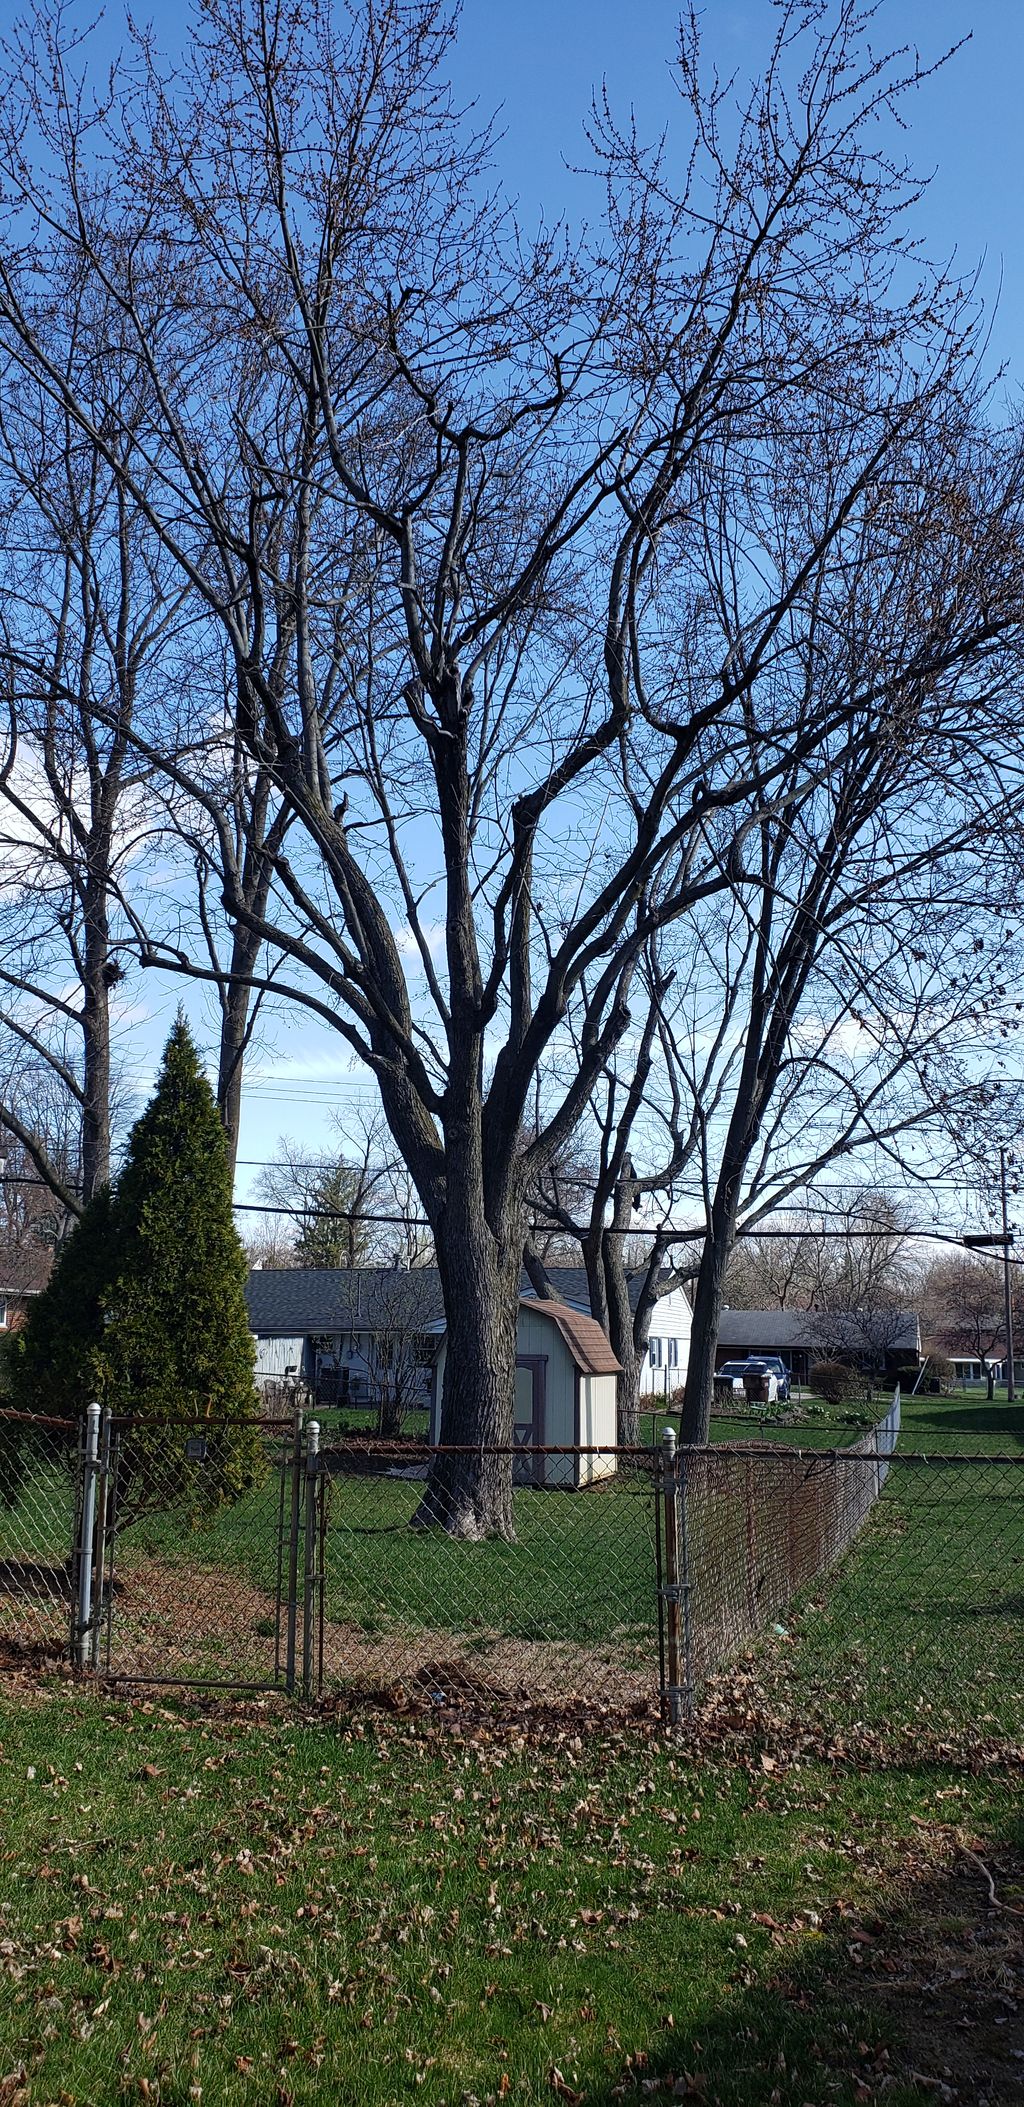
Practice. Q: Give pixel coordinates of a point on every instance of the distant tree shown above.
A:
(59, 1363)
(835, 1381)
(31, 1220)
(399, 1345)
(324, 1203)
(331, 1234)
(774, 1272)
(355, 1205)
(962, 1306)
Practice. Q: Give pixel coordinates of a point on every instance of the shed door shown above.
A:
(528, 1428)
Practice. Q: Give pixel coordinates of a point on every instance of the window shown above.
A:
(3, 1316)
(673, 1353)
(655, 1353)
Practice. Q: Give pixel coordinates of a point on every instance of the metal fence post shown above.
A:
(293, 1555)
(670, 1586)
(86, 1534)
(103, 1559)
(685, 1584)
(310, 1547)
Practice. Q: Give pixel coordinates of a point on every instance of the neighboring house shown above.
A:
(340, 1330)
(24, 1271)
(889, 1341)
(14, 1307)
(668, 1346)
(968, 1368)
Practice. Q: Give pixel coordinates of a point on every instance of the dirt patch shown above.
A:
(35, 1607)
(942, 1973)
(489, 1664)
(184, 1620)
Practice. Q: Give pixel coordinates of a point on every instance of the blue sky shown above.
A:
(540, 60)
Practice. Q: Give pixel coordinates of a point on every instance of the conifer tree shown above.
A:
(178, 1335)
(146, 1307)
(58, 1363)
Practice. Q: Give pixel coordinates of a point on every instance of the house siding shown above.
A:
(671, 1319)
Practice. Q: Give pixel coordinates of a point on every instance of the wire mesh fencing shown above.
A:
(196, 1551)
(862, 1592)
(885, 1592)
(561, 1606)
(39, 1483)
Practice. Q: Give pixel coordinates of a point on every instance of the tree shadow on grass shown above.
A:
(999, 1421)
(34, 1576)
(919, 1999)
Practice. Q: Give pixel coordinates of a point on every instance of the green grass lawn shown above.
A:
(919, 1629)
(256, 1907)
(246, 1903)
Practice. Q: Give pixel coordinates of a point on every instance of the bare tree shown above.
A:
(962, 1306)
(595, 1203)
(87, 609)
(777, 1272)
(400, 1352)
(448, 496)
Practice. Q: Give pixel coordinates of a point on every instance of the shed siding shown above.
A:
(597, 1395)
(597, 1425)
(538, 1335)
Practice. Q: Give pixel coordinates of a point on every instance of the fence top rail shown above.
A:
(781, 1451)
(39, 1419)
(749, 1451)
(418, 1450)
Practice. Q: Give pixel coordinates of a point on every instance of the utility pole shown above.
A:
(1007, 1298)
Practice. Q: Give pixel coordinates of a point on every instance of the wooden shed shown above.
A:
(566, 1395)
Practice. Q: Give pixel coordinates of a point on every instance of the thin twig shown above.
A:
(1007, 1908)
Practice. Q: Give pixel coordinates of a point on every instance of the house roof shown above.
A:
(293, 1302)
(894, 1331)
(571, 1283)
(582, 1334)
(24, 1268)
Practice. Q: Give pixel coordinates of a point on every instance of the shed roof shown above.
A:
(583, 1335)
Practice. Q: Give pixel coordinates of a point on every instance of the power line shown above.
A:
(694, 1233)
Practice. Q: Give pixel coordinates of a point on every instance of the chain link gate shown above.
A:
(154, 1598)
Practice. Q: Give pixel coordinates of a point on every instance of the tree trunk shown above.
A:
(389, 1411)
(621, 1332)
(471, 1495)
(234, 1033)
(695, 1418)
(236, 1021)
(95, 1042)
(629, 1394)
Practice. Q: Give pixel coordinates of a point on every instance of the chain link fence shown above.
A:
(862, 1592)
(566, 1609)
(39, 1492)
(885, 1593)
(194, 1551)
